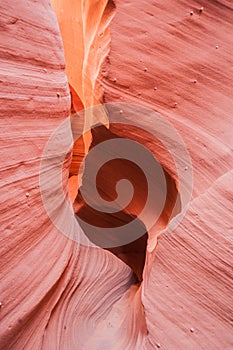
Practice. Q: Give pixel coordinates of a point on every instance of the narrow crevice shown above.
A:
(97, 223)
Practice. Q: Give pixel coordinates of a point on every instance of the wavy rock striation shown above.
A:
(59, 294)
(175, 56)
(55, 293)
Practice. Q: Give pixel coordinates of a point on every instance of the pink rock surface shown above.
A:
(57, 294)
(180, 65)
(54, 292)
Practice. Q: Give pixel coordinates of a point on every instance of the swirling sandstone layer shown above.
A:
(175, 56)
(57, 294)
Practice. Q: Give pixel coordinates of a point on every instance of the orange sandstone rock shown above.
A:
(57, 293)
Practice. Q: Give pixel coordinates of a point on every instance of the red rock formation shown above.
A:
(180, 64)
(58, 294)
(50, 298)
(84, 27)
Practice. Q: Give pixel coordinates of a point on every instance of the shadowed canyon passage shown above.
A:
(58, 293)
(107, 178)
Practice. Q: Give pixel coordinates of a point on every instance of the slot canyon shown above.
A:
(116, 175)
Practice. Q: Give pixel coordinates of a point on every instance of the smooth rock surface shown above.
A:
(59, 294)
(166, 59)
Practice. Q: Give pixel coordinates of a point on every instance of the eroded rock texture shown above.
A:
(57, 294)
(176, 56)
(85, 32)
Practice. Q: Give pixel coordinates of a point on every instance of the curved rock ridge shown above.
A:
(175, 57)
(55, 293)
(85, 33)
(192, 276)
